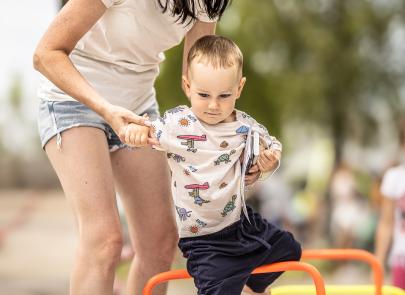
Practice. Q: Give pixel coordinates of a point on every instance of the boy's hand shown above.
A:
(136, 135)
(268, 160)
(253, 175)
(139, 136)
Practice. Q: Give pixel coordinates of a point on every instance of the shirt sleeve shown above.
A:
(160, 130)
(108, 3)
(390, 184)
(270, 142)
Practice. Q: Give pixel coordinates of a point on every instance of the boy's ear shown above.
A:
(240, 87)
(186, 85)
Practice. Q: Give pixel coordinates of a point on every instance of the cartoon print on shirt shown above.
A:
(222, 185)
(242, 129)
(192, 169)
(184, 122)
(183, 213)
(194, 229)
(159, 134)
(224, 158)
(201, 223)
(186, 172)
(244, 115)
(196, 192)
(229, 207)
(190, 139)
(224, 144)
(162, 120)
(176, 110)
(176, 157)
(192, 118)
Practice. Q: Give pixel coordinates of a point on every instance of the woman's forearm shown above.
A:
(58, 68)
(199, 30)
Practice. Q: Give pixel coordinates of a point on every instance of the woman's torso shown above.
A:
(121, 53)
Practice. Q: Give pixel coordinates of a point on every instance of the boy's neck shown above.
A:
(230, 118)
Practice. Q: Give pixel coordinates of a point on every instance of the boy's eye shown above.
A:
(203, 94)
(224, 95)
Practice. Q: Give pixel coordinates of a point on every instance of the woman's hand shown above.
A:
(119, 119)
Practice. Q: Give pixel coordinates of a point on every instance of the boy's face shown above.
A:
(213, 91)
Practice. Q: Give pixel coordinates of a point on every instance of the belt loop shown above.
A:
(55, 127)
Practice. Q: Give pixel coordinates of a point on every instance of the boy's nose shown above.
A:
(213, 105)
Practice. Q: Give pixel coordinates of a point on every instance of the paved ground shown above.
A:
(37, 240)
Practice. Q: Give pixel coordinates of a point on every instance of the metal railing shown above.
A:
(274, 267)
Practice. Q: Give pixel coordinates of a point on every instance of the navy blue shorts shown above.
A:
(221, 263)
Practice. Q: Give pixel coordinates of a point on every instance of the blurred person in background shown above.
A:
(346, 206)
(100, 59)
(390, 236)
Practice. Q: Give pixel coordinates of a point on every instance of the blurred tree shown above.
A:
(316, 60)
(326, 62)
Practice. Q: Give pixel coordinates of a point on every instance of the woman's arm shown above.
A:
(51, 56)
(384, 229)
(197, 31)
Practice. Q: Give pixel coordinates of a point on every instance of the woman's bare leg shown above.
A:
(142, 179)
(84, 170)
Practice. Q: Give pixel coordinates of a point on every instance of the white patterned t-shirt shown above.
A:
(206, 167)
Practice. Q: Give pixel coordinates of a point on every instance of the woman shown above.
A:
(390, 235)
(100, 59)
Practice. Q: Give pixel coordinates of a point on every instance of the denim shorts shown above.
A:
(54, 117)
(221, 263)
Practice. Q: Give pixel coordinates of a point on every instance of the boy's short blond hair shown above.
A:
(218, 51)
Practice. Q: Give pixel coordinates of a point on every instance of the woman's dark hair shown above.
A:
(187, 8)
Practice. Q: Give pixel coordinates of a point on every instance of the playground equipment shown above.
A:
(274, 267)
(335, 290)
(350, 254)
(319, 288)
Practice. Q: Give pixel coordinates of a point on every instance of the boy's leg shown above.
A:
(217, 274)
(283, 248)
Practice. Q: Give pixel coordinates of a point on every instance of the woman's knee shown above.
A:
(103, 248)
(161, 249)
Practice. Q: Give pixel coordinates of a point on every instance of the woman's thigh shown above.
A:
(142, 179)
(84, 169)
